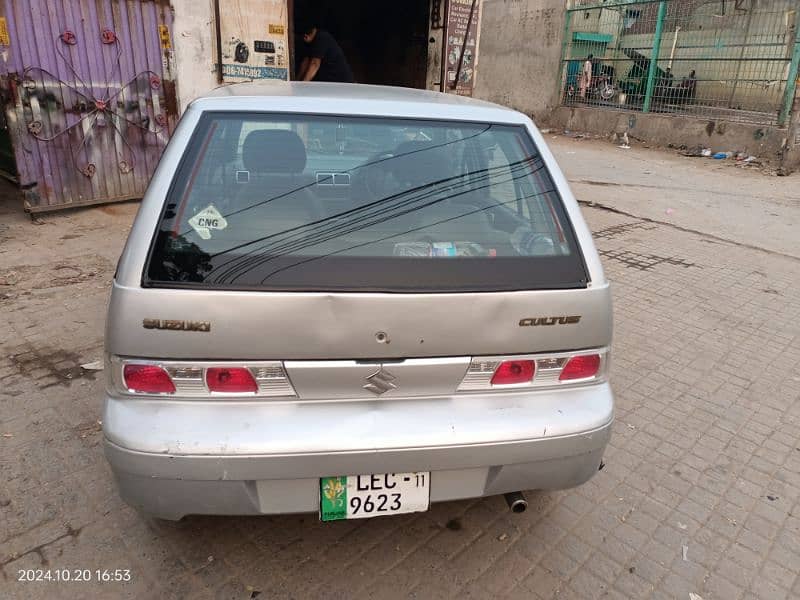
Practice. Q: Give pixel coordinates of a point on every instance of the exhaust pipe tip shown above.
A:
(516, 502)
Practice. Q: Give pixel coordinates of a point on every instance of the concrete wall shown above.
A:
(194, 39)
(520, 54)
(770, 145)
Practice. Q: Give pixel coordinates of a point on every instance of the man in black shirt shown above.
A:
(324, 59)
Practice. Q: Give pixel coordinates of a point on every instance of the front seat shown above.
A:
(453, 214)
(273, 186)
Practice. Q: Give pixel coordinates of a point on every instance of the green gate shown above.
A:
(734, 60)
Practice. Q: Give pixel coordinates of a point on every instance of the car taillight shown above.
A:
(580, 367)
(234, 380)
(148, 379)
(535, 371)
(514, 371)
(201, 379)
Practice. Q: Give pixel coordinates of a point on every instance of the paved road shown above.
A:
(701, 493)
(715, 197)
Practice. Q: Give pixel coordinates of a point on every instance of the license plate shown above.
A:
(362, 496)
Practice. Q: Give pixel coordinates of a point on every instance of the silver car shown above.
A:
(355, 301)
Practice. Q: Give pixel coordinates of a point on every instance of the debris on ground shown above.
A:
(9, 278)
(502, 537)
(743, 160)
(696, 151)
(685, 552)
(89, 428)
(96, 365)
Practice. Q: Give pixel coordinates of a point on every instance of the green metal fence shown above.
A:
(723, 59)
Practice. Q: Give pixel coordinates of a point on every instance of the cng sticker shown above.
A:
(207, 220)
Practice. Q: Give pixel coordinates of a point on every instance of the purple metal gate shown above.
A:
(89, 96)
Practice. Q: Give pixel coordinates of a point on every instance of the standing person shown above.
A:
(688, 87)
(586, 76)
(324, 59)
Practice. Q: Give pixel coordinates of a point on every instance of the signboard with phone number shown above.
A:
(463, 20)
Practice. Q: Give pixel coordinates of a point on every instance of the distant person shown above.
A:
(668, 77)
(664, 85)
(688, 87)
(324, 59)
(585, 81)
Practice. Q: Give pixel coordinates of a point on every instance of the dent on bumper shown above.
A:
(174, 498)
(173, 458)
(315, 465)
(237, 428)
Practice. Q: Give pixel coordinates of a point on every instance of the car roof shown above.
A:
(352, 99)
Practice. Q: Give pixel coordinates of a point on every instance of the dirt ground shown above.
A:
(700, 495)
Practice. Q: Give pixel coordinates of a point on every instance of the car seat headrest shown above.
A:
(418, 163)
(273, 151)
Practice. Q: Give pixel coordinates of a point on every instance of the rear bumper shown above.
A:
(174, 458)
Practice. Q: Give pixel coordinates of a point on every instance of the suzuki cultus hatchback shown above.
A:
(355, 301)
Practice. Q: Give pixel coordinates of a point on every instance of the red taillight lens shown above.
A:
(148, 379)
(231, 381)
(514, 371)
(580, 367)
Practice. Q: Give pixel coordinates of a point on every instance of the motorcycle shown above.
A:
(601, 87)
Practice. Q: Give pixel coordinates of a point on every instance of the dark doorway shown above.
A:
(386, 43)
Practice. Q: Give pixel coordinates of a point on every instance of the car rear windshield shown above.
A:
(334, 203)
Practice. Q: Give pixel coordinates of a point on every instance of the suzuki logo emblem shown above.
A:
(380, 382)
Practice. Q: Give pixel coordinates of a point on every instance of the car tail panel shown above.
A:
(194, 324)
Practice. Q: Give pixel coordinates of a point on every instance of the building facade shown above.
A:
(714, 73)
(92, 89)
